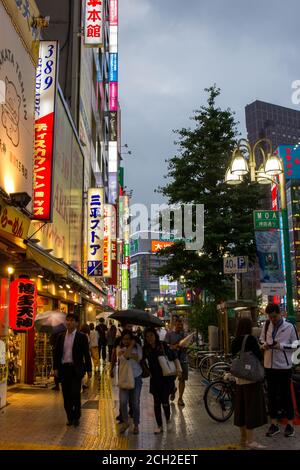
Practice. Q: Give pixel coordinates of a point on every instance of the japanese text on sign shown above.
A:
(22, 304)
(93, 27)
(95, 231)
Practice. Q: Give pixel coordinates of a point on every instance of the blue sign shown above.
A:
(113, 67)
(269, 256)
(94, 268)
(242, 262)
(290, 155)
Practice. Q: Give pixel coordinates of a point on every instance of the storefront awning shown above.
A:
(46, 261)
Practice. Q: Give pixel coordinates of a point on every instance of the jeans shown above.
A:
(134, 397)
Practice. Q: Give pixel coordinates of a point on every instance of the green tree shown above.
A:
(138, 301)
(201, 316)
(196, 176)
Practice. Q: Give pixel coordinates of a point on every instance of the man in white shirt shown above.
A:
(72, 360)
(94, 340)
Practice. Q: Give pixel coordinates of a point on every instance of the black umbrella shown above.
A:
(136, 317)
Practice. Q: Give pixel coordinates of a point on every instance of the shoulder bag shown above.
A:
(247, 366)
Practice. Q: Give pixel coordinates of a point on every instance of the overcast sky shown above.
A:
(170, 50)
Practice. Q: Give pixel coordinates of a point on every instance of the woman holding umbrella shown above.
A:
(160, 386)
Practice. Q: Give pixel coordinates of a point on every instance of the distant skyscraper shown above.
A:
(280, 125)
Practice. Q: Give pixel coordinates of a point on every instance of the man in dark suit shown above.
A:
(72, 360)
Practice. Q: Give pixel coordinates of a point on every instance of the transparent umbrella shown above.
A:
(50, 322)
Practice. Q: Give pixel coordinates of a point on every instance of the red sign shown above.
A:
(113, 280)
(22, 304)
(46, 84)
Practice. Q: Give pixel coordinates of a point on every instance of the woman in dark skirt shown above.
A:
(160, 386)
(250, 408)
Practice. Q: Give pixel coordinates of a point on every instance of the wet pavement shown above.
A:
(35, 419)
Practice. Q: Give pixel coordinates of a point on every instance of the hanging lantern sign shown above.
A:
(22, 304)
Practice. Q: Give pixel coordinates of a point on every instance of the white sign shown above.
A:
(124, 299)
(107, 237)
(45, 96)
(133, 271)
(95, 231)
(273, 289)
(235, 264)
(17, 76)
(93, 24)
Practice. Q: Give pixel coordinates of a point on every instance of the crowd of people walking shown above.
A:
(259, 365)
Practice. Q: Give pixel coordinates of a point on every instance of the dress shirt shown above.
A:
(68, 347)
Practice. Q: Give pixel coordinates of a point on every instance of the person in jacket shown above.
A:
(72, 360)
(111, 336)
(160, 386)
(102, 331)
(131, 352)
(276, 338)
(250, 408)
(85, 328)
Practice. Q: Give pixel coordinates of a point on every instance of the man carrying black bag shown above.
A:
(72, 360)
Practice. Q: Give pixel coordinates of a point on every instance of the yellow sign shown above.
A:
(23, 14)
(13, 221)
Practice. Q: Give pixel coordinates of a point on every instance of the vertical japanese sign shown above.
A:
(107, 239)
(45, 96)
(113, 280)
(22, 304)
(113, 96)
(113, 67)
(291, 160)
(95, 231)
(113, 12)
(93, 25)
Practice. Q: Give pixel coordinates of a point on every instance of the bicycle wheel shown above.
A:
(217, 370)
(205, 364)
(219, 400)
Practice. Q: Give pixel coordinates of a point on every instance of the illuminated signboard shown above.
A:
(109, 215)
(22, 304)
(291, 160)
(157, 245)
(93, 24)
(46, 86)
(95, 231)
(113, 67)
(113, 96)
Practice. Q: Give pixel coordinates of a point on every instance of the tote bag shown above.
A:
(168, 367)
(247, 366)
(126, 378)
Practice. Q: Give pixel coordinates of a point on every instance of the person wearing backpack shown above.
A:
(276, 338)
(250, 408)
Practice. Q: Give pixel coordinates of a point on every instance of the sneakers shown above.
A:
(158, 430)
(273, 430)
(123, 427)
(136, 429)
(254, 445)
(289, 431)
(172, 396)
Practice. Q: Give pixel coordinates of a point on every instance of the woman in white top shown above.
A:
(132, 352)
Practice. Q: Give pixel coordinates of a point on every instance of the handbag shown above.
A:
(168, 367)
(126, 378)
(247, 366)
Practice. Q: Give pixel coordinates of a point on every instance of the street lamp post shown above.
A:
(270, 168)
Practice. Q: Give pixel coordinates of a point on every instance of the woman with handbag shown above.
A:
(250, 408)
(129, 354)
(161, 385)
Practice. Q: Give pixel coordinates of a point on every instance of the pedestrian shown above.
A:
(250, 407)
(111, 337)
(276, 338)
(130, 352)
(173, 339)
(102, 331)
(72, 360)
(94, 347)
(160, 386)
